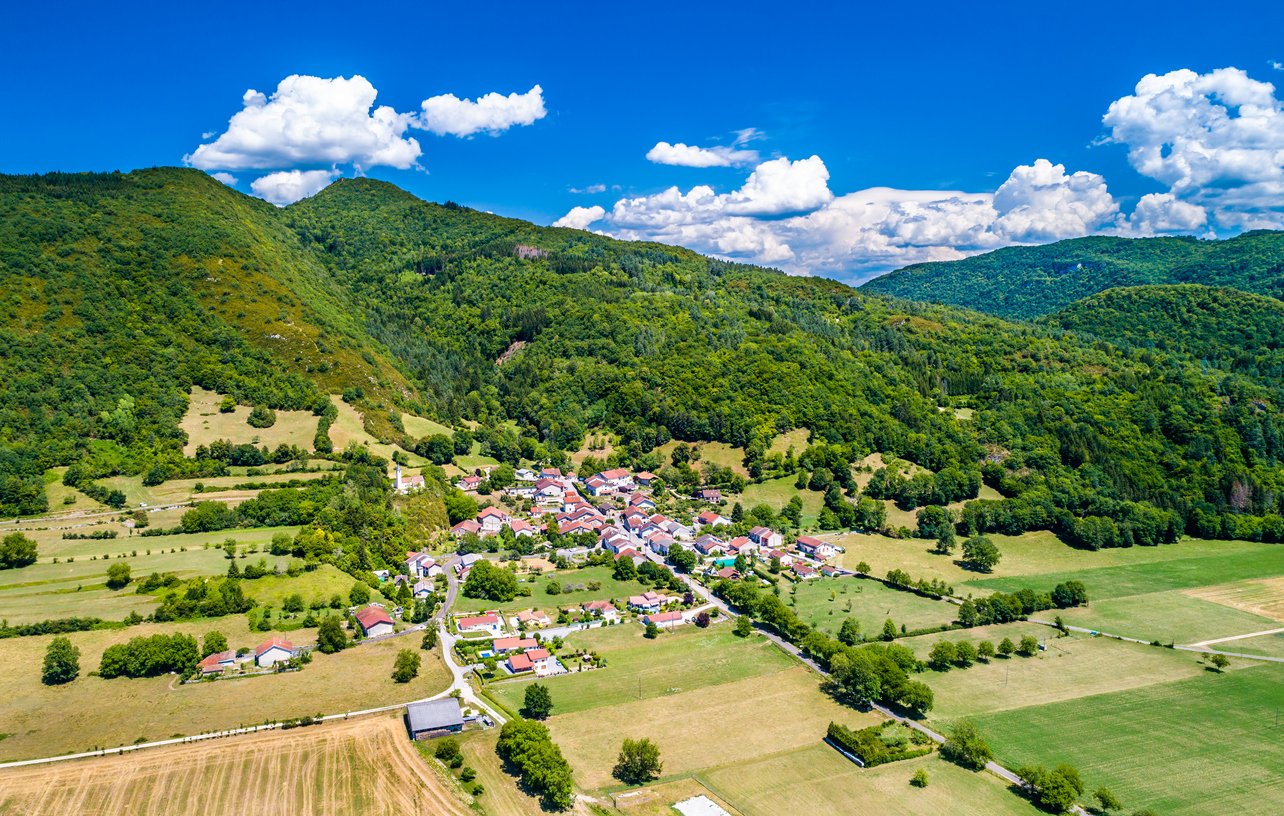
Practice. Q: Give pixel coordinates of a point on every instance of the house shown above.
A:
(374, 621)
(419, 565)
(542, 662)
(469, 484)
(433, 718)
(489, 623)
(466, 562)
(525, 475)
(616, 479)
(830, 572)
(492, 520)
(660, 543)
(272, 651)
(548, 491)
(664, 620)
(646, 478)
(551, 473)
(709, 494)
(710, 545)
(711, 519)
(646, 602)
(532, 617)
(766, 537)
(728, 574)
(573, 527)
(505, 645)
(519, 662)
(601, 609)
(521, 528)
(423, 588)
(642, 502)
(632, 554)
(783, 557)
(804, 571)
(814, 547)
(597, 486)
(466, 527)
(216, 663)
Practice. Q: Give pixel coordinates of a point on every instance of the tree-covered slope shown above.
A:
(1026, 282)
(1233, 330)
(122, 291)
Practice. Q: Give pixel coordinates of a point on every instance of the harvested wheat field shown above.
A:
(360, 766)
(1261, 596)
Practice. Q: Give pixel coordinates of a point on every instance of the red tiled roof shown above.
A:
(664, 617)
(537, 654)
(477, 620)
(372, 616)
(277, 641)
(509, 644)
(520, 662)
(212, 662)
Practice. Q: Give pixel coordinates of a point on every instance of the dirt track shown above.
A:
(362, 766)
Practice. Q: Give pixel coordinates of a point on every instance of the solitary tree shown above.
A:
(430, 639)
(889, 630)
(118, 576)
(406, 666)
(919, 779)
(652, 631)
(849, 632)
(638, 763)
(538, 702)
(743, 627)
(330, 635)
(702, 620)
(1219, 661)
(62, 662)
(980, 554)
(16, 550)
(965, 746)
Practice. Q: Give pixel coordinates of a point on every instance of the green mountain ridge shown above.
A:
(122, 291)
(1235, 330)
(1030, 281)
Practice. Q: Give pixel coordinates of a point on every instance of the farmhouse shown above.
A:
(272, 651)
(665, 620)
(489, 623)
(766, 537)
(814, 547)
(374, 621)
(433, 718)
(216, 663)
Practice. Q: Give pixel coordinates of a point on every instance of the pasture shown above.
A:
(825, 603)
(502, 797)
(1204, 744)
(776, 493)
(540, 599)
(814, 778)
(204, 423)
(421, 428)
(796, 439)
(719, 453)
(349, 429)
(362, 766)
(1169, 617)
(91, 712)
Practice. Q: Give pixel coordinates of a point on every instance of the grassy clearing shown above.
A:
(1268, 645)
(502, 797)
(1205, 565)
(204, 424)
(658, 799)
(90, 712)
(776, 493)
(728, 722)
(719, 453)
(1169, 617)
(824, 603)
(540, 599)
(1072, 667)
(362, 766)
(348, 429)
(421, 428)
(796, 439)
(639, 669)
(817, 779)
(52, 545)
(320, 583)
(1207, 744)
(181, 490)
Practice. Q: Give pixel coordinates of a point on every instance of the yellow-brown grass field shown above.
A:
(203, 424)
(360, 766)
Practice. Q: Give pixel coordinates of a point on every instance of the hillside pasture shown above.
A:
(776, 493)
(421, 428)
(92, 712)
(719, 453)
(825, 602)
(540, 599)
(1168, 617)
(204, 423)
(348, 429)
(796, 439)
(364, 766)
(814, 778)
(1204, 744)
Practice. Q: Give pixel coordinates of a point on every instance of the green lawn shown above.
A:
(686, 658)
(421, 428)
(540, 599)
(776, 493)
(824, 603)
(320, 583)
(1207, 744)
(817, 779)
(1169, 617)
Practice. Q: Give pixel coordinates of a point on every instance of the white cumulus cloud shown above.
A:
(1216, 140)
(580, 217)
(311, 120)
(1039, 203)
(492, 113)
(289, 186)
(1160, 213)
(226, 178)
(684, 155)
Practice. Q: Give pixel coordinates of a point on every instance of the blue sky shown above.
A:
(941, 104)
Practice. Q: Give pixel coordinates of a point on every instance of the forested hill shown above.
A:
(1234, 330)
(1026, 282)
(124, 290)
